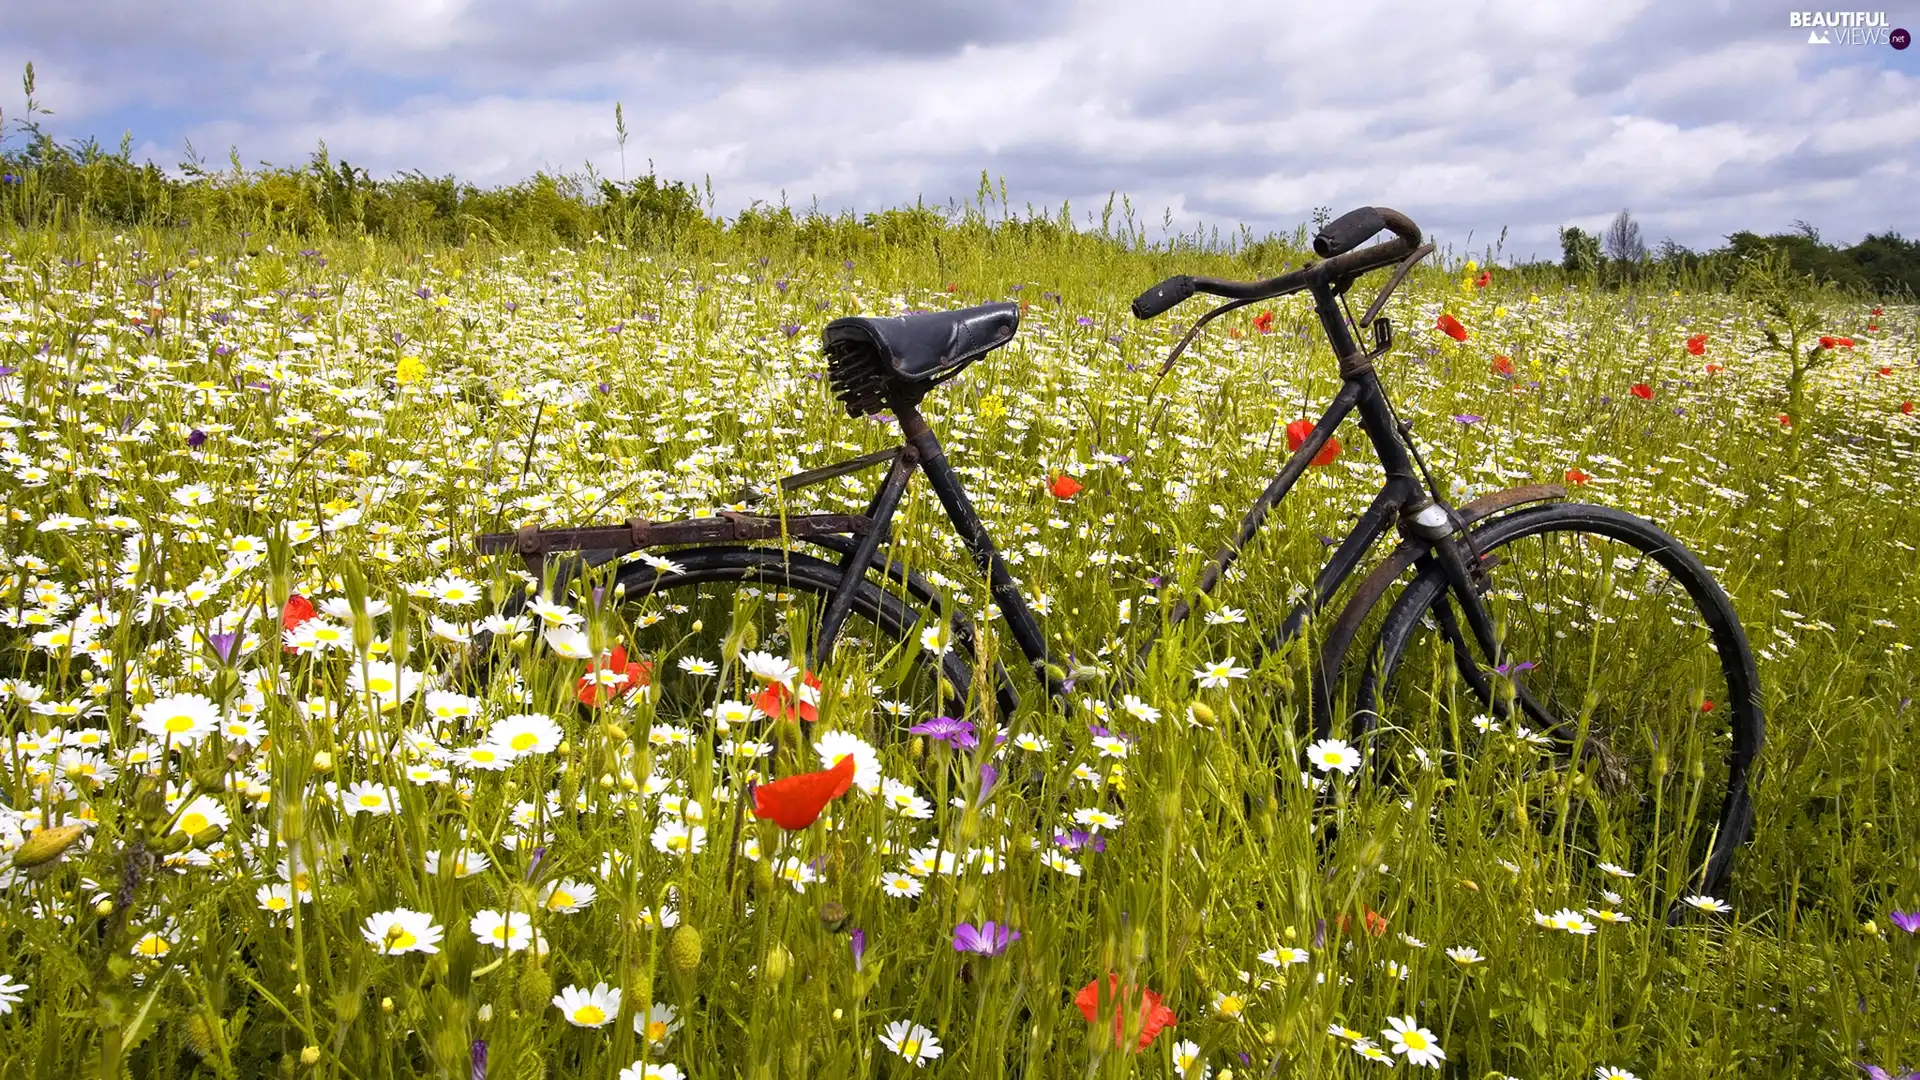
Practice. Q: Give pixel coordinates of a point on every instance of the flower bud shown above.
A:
(534, 990)
(1202, 712)
(775, 966)
(322, 762)
(200, 1033)
(683, 951)
(47, 845)
(833, 916)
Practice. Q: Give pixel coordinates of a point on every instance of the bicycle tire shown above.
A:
(1427, 597)
(639, 583)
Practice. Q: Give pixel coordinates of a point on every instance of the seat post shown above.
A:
(966, 521)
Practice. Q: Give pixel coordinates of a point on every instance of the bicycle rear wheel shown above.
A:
(683, 623)
(1621, 655)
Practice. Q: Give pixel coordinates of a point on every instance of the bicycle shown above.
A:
(1467, 616)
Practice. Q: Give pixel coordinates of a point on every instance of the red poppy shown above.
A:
(1873, 326)
(1154, 1016)
(783, 704)
(1886, 371)
(1575, 476)
(1063, 486)
(1714, 369)
(1875, 311)
(1706, 705)
(1376, 922)
(1642, 391)
(795, 802)
(1451, 327)
(1263, 322)
(1845, 342)
(298, 609)
(604, 682)
(1297, 433)
(1485, 279)
(1828, 342)
(1235, 332)
(1503, 365)
(1907, 407)
(951, 287)
(1697, 344)
(1785, 420)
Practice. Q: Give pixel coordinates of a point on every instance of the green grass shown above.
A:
(367, 409)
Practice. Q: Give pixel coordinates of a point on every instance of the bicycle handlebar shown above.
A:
(1334, 243)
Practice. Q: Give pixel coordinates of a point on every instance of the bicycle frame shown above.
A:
(1401, 497)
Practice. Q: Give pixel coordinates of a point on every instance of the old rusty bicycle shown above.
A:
(1574, 626)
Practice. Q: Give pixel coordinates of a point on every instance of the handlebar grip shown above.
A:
(1348, 231)
(1165, 295)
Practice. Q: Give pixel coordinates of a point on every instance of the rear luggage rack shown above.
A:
(534, 544)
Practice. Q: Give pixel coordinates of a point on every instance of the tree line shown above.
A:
(1881, 264)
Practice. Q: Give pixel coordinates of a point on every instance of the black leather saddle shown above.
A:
(877, 364)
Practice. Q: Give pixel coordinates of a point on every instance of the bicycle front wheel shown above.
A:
(1621, 658)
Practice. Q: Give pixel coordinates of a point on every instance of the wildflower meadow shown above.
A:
(293, 782)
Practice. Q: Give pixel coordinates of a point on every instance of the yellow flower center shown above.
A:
(590, 1014)
(524, 741)
(193, 823)
(276, 903)
(1414, 1040)
(178, 724)
(910, 1048)
(153, 945)
(399, 937)
(560, 898)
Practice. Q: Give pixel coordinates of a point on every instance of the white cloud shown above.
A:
(1703, 119)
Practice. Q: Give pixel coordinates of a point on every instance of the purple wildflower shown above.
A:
(858, 939)
(1510, 669)
(477, 1069)
(6, 370)
(1080, 840)
(790, 329)
(989, 776)
(989, 939)
(423, 292)
(955, 732)
(605, 387)
(1467, 418)
(1906, 920)
(1083, 321)
(223, 646)
(196, 439)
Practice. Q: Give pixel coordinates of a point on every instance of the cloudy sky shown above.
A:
(1703, 116)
